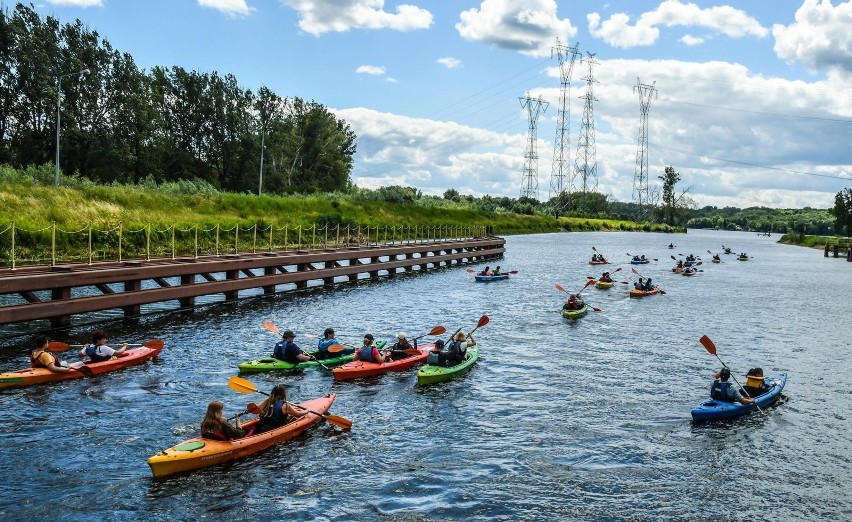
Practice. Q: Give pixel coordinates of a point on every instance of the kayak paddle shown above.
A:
(245, 386)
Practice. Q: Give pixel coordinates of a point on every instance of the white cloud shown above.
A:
(391, 80)
(318, 17)
(819, 38)
(527, 26)
(449, 62)
(617, 31)
(691, 40)
(229, 7)
(374, 70)
(77, 3)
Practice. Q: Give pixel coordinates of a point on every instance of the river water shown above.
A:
(559, 420)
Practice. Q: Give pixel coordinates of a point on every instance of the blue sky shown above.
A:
(753, 106)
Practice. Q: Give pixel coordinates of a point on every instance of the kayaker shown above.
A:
(276, 410)
(722, 390)
(755, 384)
(398, 348)
(606, 278)
(636, 258)
(457, 349)
(289, 351)
(574, 302)
(640, 285)
(486, 272)
(42, 357)
(436, 356)
(496, 271)
(98, 351)
(680, 263)
(214, 426)
(648, 285)
(327, 340)
(368, 352)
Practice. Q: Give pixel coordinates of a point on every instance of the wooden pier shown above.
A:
(56, 293)
(835, 245)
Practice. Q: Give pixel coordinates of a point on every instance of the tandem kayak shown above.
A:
(604, 284)
(604, 262)
(677, 269)
(742, 258)
(200, 453)
(575, 314)
(430, 373)
(359, 369)
(270, 364)
(711, 409)
(488, 278)
(28, 376)
(639, 261)
(689, 271)
(642, 293)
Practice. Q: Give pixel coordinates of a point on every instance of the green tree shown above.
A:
(670, 201)
(842, 212)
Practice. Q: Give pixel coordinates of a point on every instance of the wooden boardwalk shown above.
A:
(56, 293)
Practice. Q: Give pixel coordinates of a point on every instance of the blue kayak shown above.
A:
(488, 278)
(711, 409)
(639, 261)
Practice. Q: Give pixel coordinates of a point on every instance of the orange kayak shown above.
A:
(359, 369)
(28, 376)
(199, 453)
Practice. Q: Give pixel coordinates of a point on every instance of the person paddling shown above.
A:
(606, 278)
(287, 350)
(722, 390)
(457, 349)
(98, 351)
(276, 411)
(42, 357)
(328, 340)
(398, 348)
(368, 352)
(214, 426)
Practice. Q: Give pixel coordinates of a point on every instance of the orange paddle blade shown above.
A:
(269, 325)
(438, 330)
(254, 408)
(58, 346)
(561, 288)
(471, 270)
(412, 351)
(483, 321)
(708, 344)
(336, 348)
(341, 422)
(154, 344)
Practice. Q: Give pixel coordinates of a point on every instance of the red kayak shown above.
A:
(359, 369)
(131, 357)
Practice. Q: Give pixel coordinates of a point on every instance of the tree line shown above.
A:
(119, 123)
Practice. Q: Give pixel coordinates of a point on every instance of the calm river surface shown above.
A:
(557, 421)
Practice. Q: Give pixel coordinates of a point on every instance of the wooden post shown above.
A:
(90, 244)
(53, 245)
(13, 245)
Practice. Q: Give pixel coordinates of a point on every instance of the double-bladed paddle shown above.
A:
(245, 386)
(663, 292)
(59, 346)
(711, 348)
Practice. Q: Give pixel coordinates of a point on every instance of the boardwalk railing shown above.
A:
(23, 247)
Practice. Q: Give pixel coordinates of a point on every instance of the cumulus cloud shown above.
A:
(618, 32)
(318, 17)
(229, 7)
(691, 40)
(432, 155)
(527, 26)
(449, 62)
(819, 38)
(77, 3)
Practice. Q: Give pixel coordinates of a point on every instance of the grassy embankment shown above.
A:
(34, 208)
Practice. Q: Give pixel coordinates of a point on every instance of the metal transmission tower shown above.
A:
(529, 181)
(562, 144)
(586, 164)
(640, 177)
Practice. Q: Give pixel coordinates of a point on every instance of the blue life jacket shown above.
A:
(92, 353)
(323, 344)
(365, 353)
(278, 351)
(720, 390)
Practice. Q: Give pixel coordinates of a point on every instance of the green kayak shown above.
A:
(429, 373)
(269, 364)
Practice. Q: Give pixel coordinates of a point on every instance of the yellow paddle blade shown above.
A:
(242, 385)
